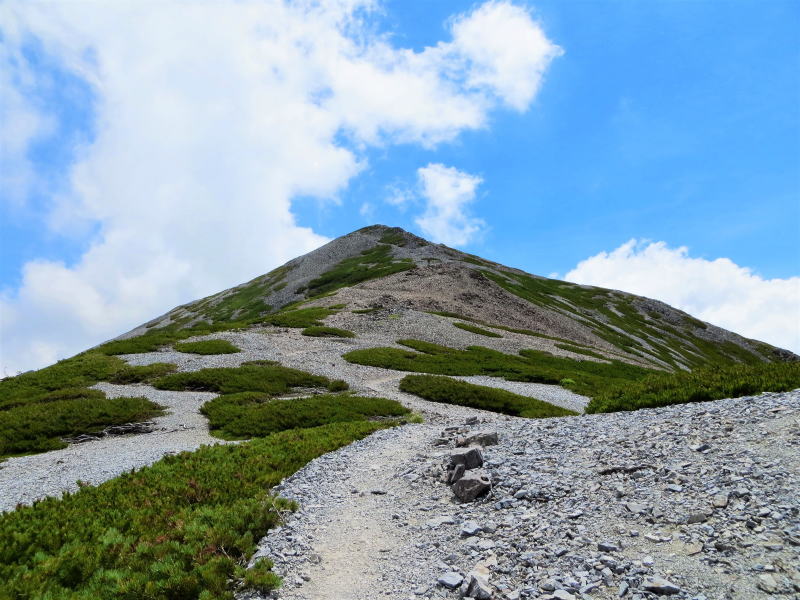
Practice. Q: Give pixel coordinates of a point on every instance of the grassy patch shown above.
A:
(207, 347)
(478, 330)
(322, 331)
(183, 528)
(580, 350)
(39, 427)
(615, 318)
(394, 237)
(247, 415)
(266, 377)
(40, 407)
(155, 339)
(370, 264)
(589, 378)
(453, 391)
(365, 311)
(701, 385)
(301, 317)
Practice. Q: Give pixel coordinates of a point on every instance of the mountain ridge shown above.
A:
(387, 267)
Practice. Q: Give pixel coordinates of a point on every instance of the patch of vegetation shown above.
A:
(528, 332)
(370, 264)
(478, 330)
(663, 389)
(590, 378)
(301, 317)
(613, 317)
(580, 350)
(39, 427)
(266, 377)
(249, 414)
(364, 311)
(183, 528)
(154, 339)
(321, 331)
(207, 347)
(38, 408)
(130, 374)
(394, 237)
(337, 306)
(476, 261)
(453, 391)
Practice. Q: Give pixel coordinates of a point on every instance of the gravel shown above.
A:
(580, 507)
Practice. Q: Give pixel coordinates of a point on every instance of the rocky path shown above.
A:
(696, 501)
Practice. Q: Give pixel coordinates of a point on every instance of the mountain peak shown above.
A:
(387, 268)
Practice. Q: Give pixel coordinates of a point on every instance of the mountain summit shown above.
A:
(388, 269)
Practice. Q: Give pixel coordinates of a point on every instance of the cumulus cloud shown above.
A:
(210, 118)
(718, 291)
(447, 192)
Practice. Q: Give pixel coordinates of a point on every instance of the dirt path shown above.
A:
(355, 539)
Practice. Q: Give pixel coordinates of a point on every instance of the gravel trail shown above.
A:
(694, 501)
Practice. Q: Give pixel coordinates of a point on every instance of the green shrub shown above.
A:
(154, 339)
(39, 407)
(580, 350)
(182, 528)
(454, 391)
(301, 317)
(247, 415)
(322, 331)
(267, 378)
(207, 347)
(478, 330)
(370, 264)
(530, 365)
(129, 374)
(39, 426)
(701, 385)
(338, 385)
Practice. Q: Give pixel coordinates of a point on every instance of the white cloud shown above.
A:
(447, 192)
(718, 291)
(211, 117)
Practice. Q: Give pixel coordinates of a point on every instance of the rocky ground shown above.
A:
(693, 501)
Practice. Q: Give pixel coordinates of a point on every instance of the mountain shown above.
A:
(389, 269)
(419, 408)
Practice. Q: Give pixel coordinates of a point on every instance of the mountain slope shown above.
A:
(388, 268)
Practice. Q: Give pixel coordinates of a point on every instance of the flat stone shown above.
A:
(563, 595)
(450, 580)
(767, 583)
(479, 438)
(660, 586)
(470, 528)
(608, 547)
(636, 508)
(720, 501)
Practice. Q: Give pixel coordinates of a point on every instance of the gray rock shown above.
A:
(477, 586)
(479, 438)
(450, 580)
(608, 547)
(470, 528)
(721, 500)
(660, 586)
(472, 485)
(471, 458)
(563, 595)
(456, 474)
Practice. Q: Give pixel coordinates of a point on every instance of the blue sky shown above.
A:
(648, 146)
